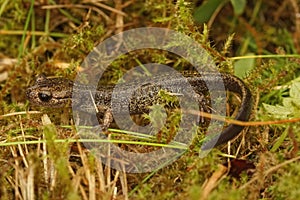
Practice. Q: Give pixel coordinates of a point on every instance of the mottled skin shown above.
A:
(57, 92)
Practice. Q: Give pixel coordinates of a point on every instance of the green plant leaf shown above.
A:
(279, 140)
(238, 6)
(243, 66)
(204, 12)
(291, 103)
(295, 90)
(277, 111)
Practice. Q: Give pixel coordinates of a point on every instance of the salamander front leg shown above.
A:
(105, 117)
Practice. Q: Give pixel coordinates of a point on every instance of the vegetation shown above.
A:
(41, 154)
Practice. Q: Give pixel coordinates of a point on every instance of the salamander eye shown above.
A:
(45, 96)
